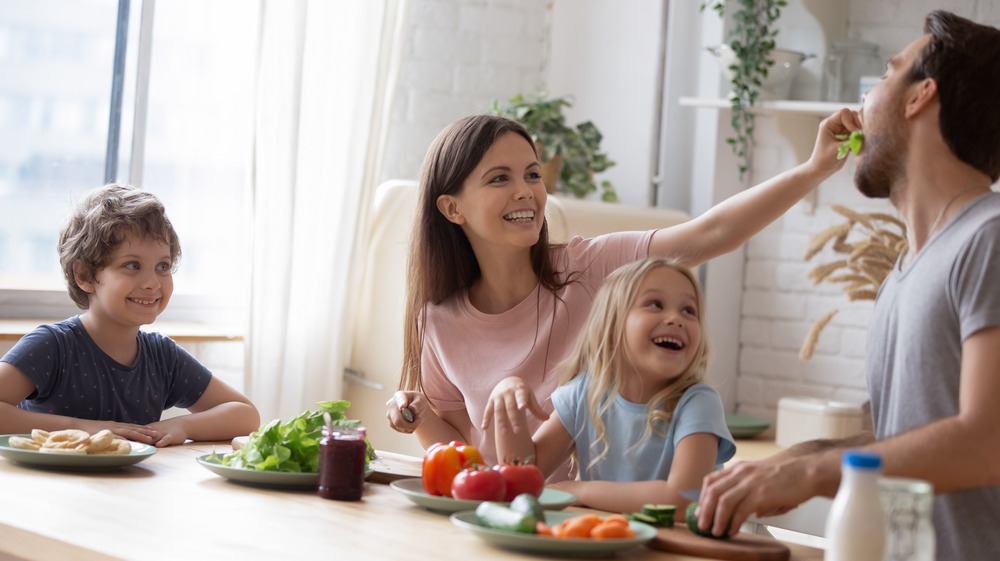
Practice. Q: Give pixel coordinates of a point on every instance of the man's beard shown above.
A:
(883, 164)
(884, 160)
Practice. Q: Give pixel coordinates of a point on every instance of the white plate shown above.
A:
(551, 499)
(571, 547)
(282, 479)
(74, 461)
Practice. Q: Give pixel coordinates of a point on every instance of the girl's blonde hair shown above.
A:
(601, 352)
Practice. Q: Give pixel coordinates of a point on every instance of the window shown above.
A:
(193, 135)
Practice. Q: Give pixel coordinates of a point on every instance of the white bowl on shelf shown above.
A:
(779, 76)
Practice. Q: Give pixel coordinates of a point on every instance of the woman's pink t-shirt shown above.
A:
(466, 352)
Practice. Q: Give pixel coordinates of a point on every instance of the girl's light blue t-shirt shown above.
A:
(699, 410)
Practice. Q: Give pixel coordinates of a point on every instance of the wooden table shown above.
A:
(168, 507)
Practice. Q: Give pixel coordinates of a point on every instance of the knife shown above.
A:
(691, 494)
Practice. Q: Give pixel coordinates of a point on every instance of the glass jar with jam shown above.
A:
(342, 453)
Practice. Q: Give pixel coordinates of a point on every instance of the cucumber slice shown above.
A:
(662, 514)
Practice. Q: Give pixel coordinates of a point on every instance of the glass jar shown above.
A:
(909, 533)
(847, 61)
(342, 452)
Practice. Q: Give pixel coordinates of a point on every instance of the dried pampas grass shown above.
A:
(868, 261)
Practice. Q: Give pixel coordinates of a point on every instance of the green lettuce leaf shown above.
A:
(291, 445)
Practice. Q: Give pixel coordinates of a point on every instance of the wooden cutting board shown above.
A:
(742, 547)
(389, 466)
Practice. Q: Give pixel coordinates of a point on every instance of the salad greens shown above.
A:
(850, 142)
(291, 445)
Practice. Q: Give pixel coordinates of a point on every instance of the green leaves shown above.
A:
(291, 445)
(579, 146)
(851, 142)
(752, 40)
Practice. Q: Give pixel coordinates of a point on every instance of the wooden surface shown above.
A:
(742, 547)
(169, 508)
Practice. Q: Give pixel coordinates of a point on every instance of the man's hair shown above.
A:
(963, 57)
(99, 224)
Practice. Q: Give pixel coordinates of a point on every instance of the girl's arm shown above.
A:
(221, 413)
(729, 224)
(694, 458)
(550, 445)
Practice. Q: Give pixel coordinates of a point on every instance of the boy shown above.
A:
(97, 370)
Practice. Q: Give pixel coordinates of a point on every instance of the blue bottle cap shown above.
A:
(861, 459)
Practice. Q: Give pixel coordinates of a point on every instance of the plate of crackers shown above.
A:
(73, 449)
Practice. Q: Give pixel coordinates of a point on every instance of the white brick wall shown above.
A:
(460, 55)
(779, 302)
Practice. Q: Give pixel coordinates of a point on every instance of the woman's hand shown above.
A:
(824, 154)
(508, 405)
(406, 411)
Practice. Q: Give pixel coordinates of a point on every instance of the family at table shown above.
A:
(590, 356)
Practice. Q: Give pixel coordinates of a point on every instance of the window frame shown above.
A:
(223, 313)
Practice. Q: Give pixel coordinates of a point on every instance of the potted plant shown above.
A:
(569, 155)
(752, 39)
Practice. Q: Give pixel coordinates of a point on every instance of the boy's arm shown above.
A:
(729, 224)
(15, 387)
(221, 413)
(694, 457)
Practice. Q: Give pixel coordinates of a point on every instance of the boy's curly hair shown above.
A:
(100, 222)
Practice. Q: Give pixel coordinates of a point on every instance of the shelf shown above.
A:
(811, 108)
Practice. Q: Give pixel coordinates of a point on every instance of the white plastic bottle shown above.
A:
(855, 529)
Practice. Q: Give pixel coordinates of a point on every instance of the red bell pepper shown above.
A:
(442, 462)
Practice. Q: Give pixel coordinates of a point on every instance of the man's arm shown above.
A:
(954, 453)
(963, 451)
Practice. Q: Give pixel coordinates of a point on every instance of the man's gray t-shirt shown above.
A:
(74, 377)
(922, 316)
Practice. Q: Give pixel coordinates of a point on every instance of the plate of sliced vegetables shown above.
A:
(570, 547)
(413, 489)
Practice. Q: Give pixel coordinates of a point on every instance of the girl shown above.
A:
(632, 407)
(489, 299)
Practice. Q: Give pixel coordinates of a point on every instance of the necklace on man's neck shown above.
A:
(936, 224)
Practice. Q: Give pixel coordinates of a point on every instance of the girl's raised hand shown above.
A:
(508, 405)
(406, 411)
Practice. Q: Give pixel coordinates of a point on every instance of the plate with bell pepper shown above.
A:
(454, 478)
(412, 488)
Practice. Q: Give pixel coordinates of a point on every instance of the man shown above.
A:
(932, 147)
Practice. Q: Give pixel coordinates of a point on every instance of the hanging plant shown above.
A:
(752, 39)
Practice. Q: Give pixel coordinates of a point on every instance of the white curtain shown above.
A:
(325, 78)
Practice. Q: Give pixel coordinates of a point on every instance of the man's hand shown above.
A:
(765, 488)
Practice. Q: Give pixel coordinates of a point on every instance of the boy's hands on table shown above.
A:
(137, 433)
(508, 405)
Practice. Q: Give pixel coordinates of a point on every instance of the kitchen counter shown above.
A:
(168, 507)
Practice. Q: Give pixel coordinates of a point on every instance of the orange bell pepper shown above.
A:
(442, 462)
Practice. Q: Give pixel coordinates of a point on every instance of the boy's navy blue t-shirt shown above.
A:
(74, 377)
